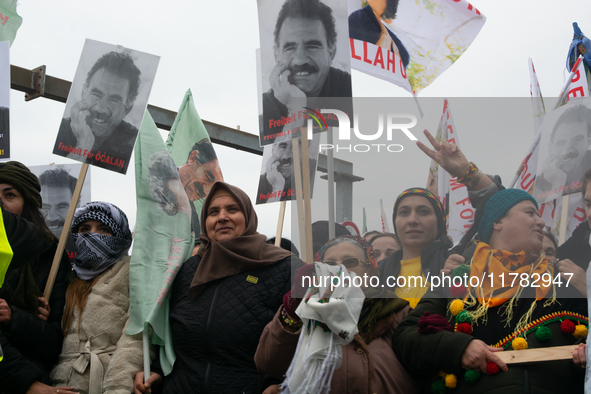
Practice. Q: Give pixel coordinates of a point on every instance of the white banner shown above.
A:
(410, 43)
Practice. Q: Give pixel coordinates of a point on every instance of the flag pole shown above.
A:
(307, 199)
(65, 232)
(280, 223)
(146, 342)
(299, 196)
(536, 140)
(330, 168)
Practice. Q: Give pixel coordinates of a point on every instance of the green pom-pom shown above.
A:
(438, 387)
(463, 317)
(460, 271)
(543, 334)
(472, 376)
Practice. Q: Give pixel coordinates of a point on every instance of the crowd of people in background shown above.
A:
(249, 316)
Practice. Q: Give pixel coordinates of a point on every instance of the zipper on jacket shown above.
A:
(208, 350)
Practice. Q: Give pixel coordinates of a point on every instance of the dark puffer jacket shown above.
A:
(216, 335)
(31, 346)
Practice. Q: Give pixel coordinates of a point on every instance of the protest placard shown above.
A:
(106, 105)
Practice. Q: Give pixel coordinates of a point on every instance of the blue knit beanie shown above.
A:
(497, 206)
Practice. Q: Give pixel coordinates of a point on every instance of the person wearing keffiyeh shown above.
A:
(97, 356)
(340, 341)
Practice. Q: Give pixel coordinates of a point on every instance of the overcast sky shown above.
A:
(209, 47)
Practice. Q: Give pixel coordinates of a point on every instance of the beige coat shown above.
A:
(101, 345)
(360, 360)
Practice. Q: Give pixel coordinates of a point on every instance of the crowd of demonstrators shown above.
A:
(97, 356)
(473, 323)
(30, 326)
(572, 257)
(368, 364)
(222, 299)
(237, 318)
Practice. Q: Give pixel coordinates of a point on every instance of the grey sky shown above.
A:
(210, 47)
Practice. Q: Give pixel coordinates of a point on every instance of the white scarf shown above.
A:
(319, 352)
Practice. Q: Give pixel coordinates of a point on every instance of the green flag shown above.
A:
(191, 149)
(162, 241)
(10, 21)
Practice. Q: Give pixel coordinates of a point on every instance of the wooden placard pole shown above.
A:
(65, 232)
(280, 223)
(563, 219)
(535, 355)
(307, 199)
(330, 168)
(299, 198)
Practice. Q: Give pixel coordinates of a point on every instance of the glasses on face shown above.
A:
(349, 262)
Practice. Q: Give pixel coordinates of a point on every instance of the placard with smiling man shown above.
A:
(304, 55)
(105, 106)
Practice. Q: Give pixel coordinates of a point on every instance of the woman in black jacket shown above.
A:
(31, 327)
(222, 299)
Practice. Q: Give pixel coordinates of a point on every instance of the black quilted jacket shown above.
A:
(216, 335)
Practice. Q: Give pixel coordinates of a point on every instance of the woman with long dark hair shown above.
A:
(97, 356)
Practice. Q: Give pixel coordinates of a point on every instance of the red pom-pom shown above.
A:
(465, 328)
(567, 327)
(457, 291)
(492, 368)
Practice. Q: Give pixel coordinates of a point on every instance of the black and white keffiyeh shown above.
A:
(97, 252)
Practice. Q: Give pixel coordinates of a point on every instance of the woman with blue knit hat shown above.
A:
(97, 356)
(503, 298)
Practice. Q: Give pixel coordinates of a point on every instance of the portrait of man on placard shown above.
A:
(564, 152)
(104, 113)
(198, 175)
(304, 54)
(276, 182)
(57, 187)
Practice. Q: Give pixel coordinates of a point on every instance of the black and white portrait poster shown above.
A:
(277, 180)
(57, 187)
(4, 100)
(106, 105)
(564, 154)
(304, 55)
